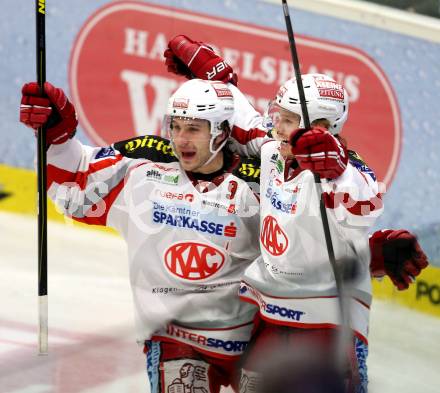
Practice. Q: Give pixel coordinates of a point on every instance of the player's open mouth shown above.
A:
(188, 155)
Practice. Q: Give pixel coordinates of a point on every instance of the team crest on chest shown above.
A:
(193, 261)
(272, 236)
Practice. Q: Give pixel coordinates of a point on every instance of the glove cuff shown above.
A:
(376, 241)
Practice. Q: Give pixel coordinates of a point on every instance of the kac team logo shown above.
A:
(273, 237)
(193, 261)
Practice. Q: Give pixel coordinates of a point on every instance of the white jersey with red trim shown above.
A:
(248, 133)
(187, 248)
(293, 282)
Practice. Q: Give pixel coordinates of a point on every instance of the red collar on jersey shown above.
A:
(230, 162)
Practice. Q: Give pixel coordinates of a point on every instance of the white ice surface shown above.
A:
(92, 345)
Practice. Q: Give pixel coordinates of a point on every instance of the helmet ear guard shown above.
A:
(325, 99)
(223, 127)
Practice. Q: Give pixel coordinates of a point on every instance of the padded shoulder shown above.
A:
(356, 160)
(150, 147)
(248, 169)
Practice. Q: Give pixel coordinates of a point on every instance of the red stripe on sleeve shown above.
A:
(359, 208)
(101, 164)
(104, 204)
(60, 176)
(245, 136)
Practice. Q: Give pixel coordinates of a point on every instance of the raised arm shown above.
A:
(193, 59)
(83, 181)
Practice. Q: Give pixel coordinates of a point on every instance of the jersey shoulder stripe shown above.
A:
(248, 169)
(356, 160)
(150, 147)
(158, 149)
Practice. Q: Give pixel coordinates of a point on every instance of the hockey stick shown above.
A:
(337, 270)
(40, 15)
(305, 115)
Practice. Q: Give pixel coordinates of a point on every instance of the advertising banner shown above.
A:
(120, 85)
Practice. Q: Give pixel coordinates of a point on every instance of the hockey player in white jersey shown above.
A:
(191, 227)
(292, 283)
(394, 253)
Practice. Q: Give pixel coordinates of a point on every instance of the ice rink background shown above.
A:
(91, 328)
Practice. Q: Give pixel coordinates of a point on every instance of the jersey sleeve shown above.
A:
(85, 181)
(248, 132)
(354, 197)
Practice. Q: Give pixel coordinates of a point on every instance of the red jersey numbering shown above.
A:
(193, 261)
(273, 237)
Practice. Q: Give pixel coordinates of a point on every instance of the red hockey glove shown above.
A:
(52, 109)
(398, 255)
(196, 59)
(175, 65)
(319, 151)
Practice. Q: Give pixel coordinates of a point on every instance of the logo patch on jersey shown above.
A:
(273, 237)
(163, 168)
(189, 219)
(249, 170)
(217, 205)
(156, 175)
(148, 142)
(105, 152)
(170, 179)
(175, 195)
(360, 164)
(278, 162)
(284, 200)
(193, 261)
(279, 166)
(203, 226)
(284, 312)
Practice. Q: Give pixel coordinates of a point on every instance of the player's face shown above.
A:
(191, 140)
(286, 123)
